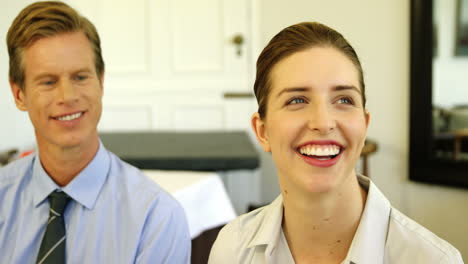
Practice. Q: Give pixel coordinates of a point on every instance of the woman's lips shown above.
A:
(321, 162)
(320, 150)
(324, 153)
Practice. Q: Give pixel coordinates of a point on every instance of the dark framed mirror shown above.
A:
(439, 92)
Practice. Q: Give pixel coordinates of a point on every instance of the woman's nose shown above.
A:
(321, 119)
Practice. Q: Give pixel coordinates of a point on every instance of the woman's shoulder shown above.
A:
(240, 236)
(409, 240)
(249, 221)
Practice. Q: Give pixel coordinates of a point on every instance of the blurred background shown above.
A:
(185, 65)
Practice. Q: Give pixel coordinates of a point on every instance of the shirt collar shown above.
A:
(84, 188)
(269, 227)
(368, 244)
(44, 185)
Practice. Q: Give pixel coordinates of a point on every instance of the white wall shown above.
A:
(10, 117)
(379, 31)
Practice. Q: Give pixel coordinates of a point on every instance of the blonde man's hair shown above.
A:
(46, 19)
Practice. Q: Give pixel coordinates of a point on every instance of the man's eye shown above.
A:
(81, 77)
(49, 82)
(296, 101)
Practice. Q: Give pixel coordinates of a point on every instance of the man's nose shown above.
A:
(67, 92)
(321, 119)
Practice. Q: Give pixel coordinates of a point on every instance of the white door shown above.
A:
(172, 63)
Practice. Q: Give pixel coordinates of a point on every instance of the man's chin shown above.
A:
(69, 142)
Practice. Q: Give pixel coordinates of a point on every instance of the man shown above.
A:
(74, 201)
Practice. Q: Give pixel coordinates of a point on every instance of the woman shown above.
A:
(312, 118)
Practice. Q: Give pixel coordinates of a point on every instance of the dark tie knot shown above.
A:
(58, 202)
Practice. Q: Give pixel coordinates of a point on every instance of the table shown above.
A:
(230, 153)
(201, 194)
(206, 205)
(194, 151)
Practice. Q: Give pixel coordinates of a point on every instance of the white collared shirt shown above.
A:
(384, 235)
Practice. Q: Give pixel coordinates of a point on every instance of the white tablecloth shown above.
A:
(201, 194)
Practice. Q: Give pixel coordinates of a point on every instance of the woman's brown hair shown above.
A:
(296, 38)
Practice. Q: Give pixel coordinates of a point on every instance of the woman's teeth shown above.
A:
(320, 151)
(70, 117)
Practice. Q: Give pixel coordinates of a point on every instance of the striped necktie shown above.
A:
(52, 250)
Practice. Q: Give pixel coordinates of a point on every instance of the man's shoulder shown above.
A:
(16, 170)
(409, 239)
(130, 176)
(139, 187)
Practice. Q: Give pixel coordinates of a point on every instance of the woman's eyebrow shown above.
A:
(304, 89)
(292, 89)
(346, 87)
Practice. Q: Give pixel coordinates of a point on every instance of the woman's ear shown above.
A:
(367, 117)
(258, 126)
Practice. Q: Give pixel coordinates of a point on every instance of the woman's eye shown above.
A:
(296, 101)
(345, 100)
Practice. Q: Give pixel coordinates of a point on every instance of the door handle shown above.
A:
(238, 40)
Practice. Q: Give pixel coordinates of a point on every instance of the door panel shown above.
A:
(197, 36)
(178, 50)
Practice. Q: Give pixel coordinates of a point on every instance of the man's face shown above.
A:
(62, 93)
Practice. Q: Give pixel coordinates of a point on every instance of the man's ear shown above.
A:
(18, 94)
(258, 126)
(101, 81)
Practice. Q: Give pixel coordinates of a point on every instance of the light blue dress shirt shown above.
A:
(116, 215)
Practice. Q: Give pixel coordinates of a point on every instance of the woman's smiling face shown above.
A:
(315, 124)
